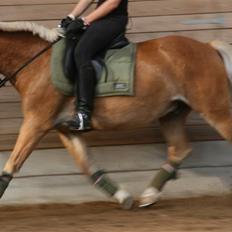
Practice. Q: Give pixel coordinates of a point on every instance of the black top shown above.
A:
(120, 10)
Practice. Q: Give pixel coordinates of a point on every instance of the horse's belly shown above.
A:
(125, 113)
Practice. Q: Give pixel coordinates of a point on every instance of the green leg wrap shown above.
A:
(5, 179)
(100, 179)
(166, 173)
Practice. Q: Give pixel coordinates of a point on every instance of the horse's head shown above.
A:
(20, 41)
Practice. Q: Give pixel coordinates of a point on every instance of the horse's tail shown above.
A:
(225, 50)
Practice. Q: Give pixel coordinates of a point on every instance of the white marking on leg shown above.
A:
(124, 198)
(81, 154)
(150, 196)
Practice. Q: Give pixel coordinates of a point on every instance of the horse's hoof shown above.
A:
(127, 203)
(149, 197)
(124, 198)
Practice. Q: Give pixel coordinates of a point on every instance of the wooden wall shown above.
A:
(201, 19)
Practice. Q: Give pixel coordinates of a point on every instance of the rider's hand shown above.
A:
(64, 23)
(76, 26)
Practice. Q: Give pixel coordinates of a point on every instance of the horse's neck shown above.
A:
(16, 48)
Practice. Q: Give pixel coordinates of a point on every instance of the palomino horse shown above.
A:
(174, 75)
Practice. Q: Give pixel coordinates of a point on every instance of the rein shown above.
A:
(11, 77)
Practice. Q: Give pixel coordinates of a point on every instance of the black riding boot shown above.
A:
(85, 91)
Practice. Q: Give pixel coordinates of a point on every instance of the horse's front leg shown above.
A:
(78, 149)
(30, 134)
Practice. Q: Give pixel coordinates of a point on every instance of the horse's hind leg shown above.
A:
(173, 129)
(78, 149)
(219, 116)
(30, 134)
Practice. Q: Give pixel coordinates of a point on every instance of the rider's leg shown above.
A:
(68, 61)
(85, 91)
(97, 38)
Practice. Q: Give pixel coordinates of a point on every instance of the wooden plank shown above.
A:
(11, 124)
(136, 9)
(150, 19)
(10, 110)
(201, 35)
(146, 135)
(7, 142)
(168, 23)
(176, 7)
(8, 94)
(139, 136)
(11, 118)
(179, 23)
(34, 2)
(39, 2)
(34, 12)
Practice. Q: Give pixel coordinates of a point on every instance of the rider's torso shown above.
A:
(121, 10)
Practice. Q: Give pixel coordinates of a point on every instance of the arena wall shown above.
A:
(200, 19)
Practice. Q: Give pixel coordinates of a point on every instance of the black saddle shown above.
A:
(98, 62)
(119, 42)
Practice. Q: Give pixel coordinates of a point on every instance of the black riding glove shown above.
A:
(64, 23)
(76, 26)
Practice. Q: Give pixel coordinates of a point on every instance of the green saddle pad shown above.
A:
(120, 65)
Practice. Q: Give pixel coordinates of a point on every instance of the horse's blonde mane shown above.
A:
(43, 32)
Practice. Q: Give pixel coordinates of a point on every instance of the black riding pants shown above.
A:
(95, 39)
(98, 37)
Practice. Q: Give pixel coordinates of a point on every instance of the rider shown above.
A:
(100, 28)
